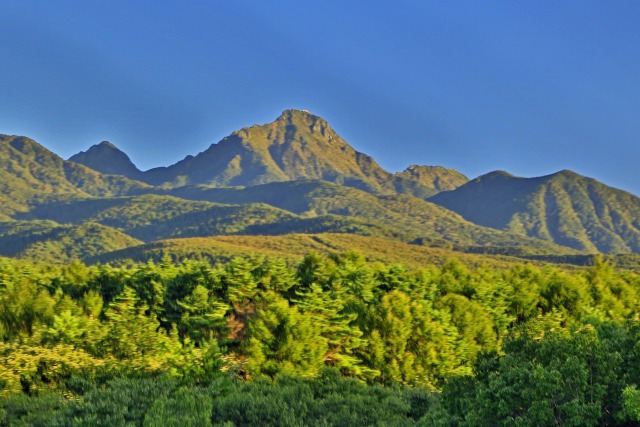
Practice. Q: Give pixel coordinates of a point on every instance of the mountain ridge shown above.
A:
(297, 145)
(564, 207)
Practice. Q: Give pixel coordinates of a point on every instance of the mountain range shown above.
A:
(296, 177)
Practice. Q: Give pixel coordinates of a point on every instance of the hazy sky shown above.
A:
(530, 87)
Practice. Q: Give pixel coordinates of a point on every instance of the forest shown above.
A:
(328, 340)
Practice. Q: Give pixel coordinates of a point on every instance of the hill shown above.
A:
(297, 176)
(152, 217)
(415, 217)
(54, 243)
(29, 172)
(565, 208)
(293, 247)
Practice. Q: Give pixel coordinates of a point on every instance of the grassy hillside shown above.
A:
(295, 246)
(497, 214)
(54, 243)
(564, 208)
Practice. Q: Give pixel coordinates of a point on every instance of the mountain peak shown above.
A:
(106, 158)
(567, 173)
(292, 112)
(293, 116)
(106, 144)
(438, 178)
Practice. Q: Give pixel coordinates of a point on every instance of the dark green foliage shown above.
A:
(576, 379)
(22, 410)
(328, 400)
(120, 402)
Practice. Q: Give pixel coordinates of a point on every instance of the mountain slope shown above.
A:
(565, 208)
(106, 158)
(415, 217)
(29, 172)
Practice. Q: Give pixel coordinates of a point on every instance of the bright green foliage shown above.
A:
(23, 303)
(631, 397)
(525, 345)
(133, 338)
(281, 339)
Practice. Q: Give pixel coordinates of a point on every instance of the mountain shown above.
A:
(29, 172)
(565, 208)
(437, 178)
(296, 176)
(106, 158)
(297, 145)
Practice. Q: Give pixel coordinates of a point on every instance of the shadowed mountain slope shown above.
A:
(565, 208)
(152, 217)
(51, 242)
(108, 159)
(297, 176)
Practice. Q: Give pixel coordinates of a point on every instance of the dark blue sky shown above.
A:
(530, 87)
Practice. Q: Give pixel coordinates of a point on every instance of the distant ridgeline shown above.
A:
(297, 180)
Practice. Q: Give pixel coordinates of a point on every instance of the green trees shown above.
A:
(526, 346)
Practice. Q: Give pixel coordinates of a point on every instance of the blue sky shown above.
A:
(531, 87)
